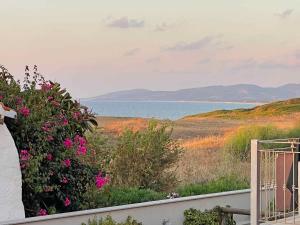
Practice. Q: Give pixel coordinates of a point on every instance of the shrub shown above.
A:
(49, 135)
(228, 183)
(146, 158)
(109, 221)
(239, 144)
(114, 196)
(211, 217)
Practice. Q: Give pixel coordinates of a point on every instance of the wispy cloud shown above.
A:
(285, 14)
(162, 27)
(125, 23)
(153, 60)
(196, 45)
(132, 52)
(268, 64)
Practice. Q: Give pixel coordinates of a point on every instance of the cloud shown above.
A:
(132, 52)
(196, 45)
(204, 61)
(153, 60)
(162, 27)
(297, 54)
(125, 23)
(284, 14)
(269, 64)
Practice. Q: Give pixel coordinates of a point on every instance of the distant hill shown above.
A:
(272, 109)
(233, 93)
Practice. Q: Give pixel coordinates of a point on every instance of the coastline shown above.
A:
(182, 101)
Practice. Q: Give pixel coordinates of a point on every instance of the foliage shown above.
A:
(272, 109)
(239, 144)
(228, 183)
(146, 159)
(49, 135)
(114, 196)
(109, 221)
(211, 217)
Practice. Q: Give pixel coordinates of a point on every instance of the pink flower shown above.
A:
(65, 122)
(46, 127)
(81, 150)
(50, 98)
(101, 181)
(24, 155)
(64, 180)
(24, 111)
(67, 163)
(1, 97)
(46, 86)
(68, 143)
(76, 115)
(49, 157)
(19, 100)
(42, 212)
(80, 140)
(67, 202)
(50, 138)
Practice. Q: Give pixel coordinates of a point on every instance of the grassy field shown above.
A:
(203, 136)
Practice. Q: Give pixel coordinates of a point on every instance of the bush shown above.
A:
(113, 196)
(109, 221)
(239, 144)
(49, 135)
(211, 217)
(228, 183)
(146, 159)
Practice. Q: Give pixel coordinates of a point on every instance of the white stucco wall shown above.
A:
(11, 206)
(150, 213)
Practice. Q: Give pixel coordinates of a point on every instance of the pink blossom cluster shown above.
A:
(67, 202)
(46, 86)
(101, 181)
(24, 111)
(42, 212)
(24, 155)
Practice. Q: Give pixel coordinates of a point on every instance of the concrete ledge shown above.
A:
(148, 213)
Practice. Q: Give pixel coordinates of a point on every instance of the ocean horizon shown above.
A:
(172, 110)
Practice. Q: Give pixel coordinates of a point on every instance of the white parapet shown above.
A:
(11, 205)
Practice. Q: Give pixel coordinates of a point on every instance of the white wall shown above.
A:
(150, 213)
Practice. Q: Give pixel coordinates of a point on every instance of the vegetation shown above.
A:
(109, 221)
(146, 159)
(114, 196)
(222, 184)
(49, 136)
(272, 109)
(239, 144)
(211, 217)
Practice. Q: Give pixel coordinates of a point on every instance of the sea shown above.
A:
(172, 110)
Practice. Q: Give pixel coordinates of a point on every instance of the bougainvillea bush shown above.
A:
(49, 135)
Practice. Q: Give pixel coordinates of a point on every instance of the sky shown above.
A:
(94, 47)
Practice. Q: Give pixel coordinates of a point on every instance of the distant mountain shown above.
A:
(233, 93)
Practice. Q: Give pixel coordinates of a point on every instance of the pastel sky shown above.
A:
(95, 46)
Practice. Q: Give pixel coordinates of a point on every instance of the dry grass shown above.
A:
(118, 125)
(208, 142)
(203, 141)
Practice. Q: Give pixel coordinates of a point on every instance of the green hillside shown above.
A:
(271, 109)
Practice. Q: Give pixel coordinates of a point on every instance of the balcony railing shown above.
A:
(275, 181)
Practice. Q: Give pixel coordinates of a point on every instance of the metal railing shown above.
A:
(275, 181)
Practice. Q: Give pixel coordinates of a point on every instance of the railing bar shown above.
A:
(273, 183)
(260, 182)
(274, 149)
(269, 182)
(275, 201)
(266, 185)
(284, 209)
(293, 187)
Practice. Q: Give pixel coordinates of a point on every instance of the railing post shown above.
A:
(255, 183)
